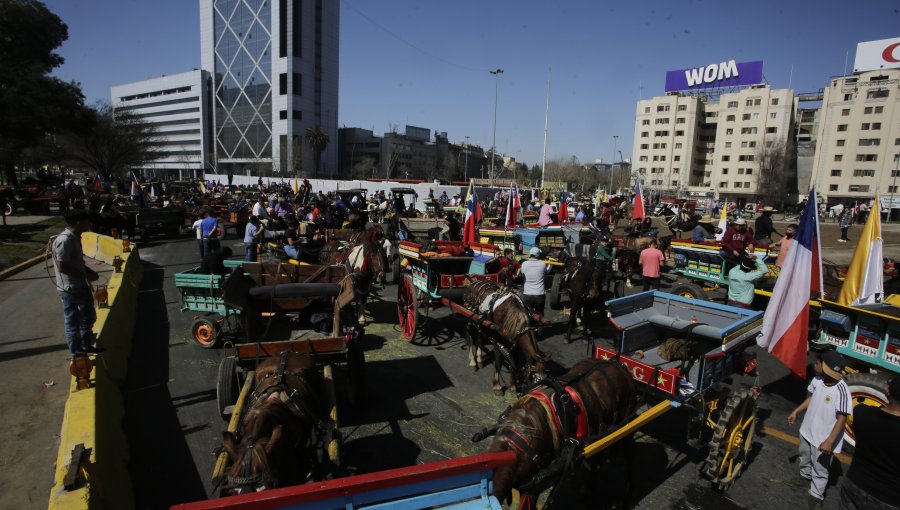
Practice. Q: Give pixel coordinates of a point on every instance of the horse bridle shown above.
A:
(535, 376)
(245, 479)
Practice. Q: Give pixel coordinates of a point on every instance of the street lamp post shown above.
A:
(466, 171)
(496, 72)
(613, 160)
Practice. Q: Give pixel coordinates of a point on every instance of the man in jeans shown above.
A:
(535, 294)
(252, 235)
(209, 232)
(72, 277)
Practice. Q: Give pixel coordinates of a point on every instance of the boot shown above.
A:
(814, 503)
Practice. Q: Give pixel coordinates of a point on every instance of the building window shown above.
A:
(729, 131)
(661, 133)
(835, 173)
(848, 97)
(864, 173)
(645, 134)
(729, 118)
(877, 94)
(773, 115)
(869, 142)
(895, 173)
(859, 188)
(838, 157)
(866, 157)
(682, 107)
(879, 109)
(723, 184)
(297, 86)
(679, 133)
(845, 112)
(771, 130)
(749, 102)
(840, 143)
(282, 114)
(645, 146)
(867, 110)
(746, 157)
(676, 170)
(679, 120)
(297, 115)
(774, 101)
(642, 158)
(745, 116)
(892, 189)
(842, 127)
(726, 158)
(297, 27)
(282, 28)
(748, 131)
(728, 145)
(678, 145)
(749, 171)
(662, 108)
(662, 121)
(676, 158)
(865, 126)
(876, 125)
(647, 110)
(282, 84)
(724, 171)
(832, 187)
(645, 122)
(740, 171)
(732, 104)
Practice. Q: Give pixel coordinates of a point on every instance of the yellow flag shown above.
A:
(864, 283)
(202, 186)
(296, 186)
(723, 221)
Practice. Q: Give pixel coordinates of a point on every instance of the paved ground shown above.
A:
(424, 402)
(24, 219)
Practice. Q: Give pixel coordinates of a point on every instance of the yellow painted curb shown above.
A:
(21, 266)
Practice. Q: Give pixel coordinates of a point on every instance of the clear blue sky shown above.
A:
(426, 63)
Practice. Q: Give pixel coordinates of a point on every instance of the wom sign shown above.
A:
(724, 74)
(872, 55)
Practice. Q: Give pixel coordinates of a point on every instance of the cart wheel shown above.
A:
(731, 440)
(556, 292)
(408, 308)
(865, 389)
(8, 209)
(690, 290)
(228, 386)
(206, 332)
(395, 270)
(356, 374)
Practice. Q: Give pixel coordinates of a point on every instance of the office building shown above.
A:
(858, 138)
(274, 74)
(178, 108)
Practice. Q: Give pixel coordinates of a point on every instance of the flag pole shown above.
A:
(546, 124)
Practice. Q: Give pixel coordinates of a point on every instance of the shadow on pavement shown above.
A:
(160, 457)
(34, 351)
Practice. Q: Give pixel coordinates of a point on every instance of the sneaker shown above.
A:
(842, 240)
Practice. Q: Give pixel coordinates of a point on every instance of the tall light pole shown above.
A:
(496, 72)
(466, 171)
(613, 160)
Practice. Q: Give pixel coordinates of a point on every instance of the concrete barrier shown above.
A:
(93, 416)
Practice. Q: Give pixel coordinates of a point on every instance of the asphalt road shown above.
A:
(423, 404)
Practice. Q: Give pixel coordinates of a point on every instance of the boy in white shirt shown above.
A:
(822, 431)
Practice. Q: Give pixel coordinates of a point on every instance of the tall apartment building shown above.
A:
(274, 69)
(178, 108)
(859, 136)
(693, 144)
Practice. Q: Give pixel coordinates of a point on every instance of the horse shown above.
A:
(365, 259)
(276, 445)
(582, 278)
(540, 425)
(515, 342)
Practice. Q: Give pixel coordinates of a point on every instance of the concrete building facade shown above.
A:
(178, 106)
(274, 75)
(858, 138)
(692, 145)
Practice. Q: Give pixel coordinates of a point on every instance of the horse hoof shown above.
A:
(568, 340)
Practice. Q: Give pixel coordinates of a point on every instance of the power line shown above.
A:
(411, 45)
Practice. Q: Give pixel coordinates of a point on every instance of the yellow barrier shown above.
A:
(93, 417)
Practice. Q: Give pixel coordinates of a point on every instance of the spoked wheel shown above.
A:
(206, 332)
(556, 291)
(731, 440)
(408, 308)
(865, 389)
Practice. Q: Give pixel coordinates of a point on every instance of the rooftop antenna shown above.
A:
(791, 78)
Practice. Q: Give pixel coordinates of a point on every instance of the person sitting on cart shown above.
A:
(734, 243)
(763, 227)
(741, 280)
(547, 213)
(509, 267)
(214, 262)
(701, 232)
(827, 406)
(535, 293)
(603, 258)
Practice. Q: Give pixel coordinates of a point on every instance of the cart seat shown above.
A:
(703, 331)
(295, 290)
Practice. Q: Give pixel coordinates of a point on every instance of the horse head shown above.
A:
(535, 361)
(523, 429)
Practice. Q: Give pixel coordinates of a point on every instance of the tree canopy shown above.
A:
(318, 140)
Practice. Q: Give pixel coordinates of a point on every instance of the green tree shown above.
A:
(32, 103)
(111, 142)
(318, 140)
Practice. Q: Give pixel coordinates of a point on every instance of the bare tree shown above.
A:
(773, 160)
(363, 168)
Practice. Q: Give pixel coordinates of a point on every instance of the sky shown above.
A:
(427, 64)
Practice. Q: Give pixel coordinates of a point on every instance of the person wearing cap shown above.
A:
(603, 258)
(873, 480)
(701, 232)
(822, 431)
(734, 242)
(741, 280)
(763, 227)
(534, 293)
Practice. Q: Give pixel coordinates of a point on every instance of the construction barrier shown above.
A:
(93, 416)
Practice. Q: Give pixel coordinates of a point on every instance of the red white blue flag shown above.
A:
(637, 212)
(473, 215)
(135, 185)
(786, 321)
(512, 206)
(563, 213)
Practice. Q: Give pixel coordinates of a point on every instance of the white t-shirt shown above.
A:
(196, 227)
(824, 405)
(534, 271)
(259, 210)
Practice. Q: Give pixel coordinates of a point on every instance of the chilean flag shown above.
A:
(786, 321)
(637, 212)
(97, 183)
(563, 213)
(473, 215)
(135, 185)
(512, 207)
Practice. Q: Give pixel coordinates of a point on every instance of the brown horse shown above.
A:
(583, 278)
(536, 428)
(365, 259)
(276, 444)
(515, 342)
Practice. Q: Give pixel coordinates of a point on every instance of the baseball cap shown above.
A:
(535, 252)
(832, 364)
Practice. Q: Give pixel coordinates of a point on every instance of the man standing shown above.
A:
(535, 293)
(873, 480)
(844, 221)
(822, 431)
(72, 277)
(764, 227)
(784, 244)
(252, 235)
(651, 259)
(209, 232)
(741, 281)
(509, 267)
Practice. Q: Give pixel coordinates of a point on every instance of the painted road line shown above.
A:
(788, 438)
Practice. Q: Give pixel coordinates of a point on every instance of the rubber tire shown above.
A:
(865, 388)
(356, 373)
(395, 270)
(404, 307)
(695, 291)
(202, 338)
(228, 385)
(733, 403)
(556, 292)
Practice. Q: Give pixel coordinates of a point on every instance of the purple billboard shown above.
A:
(724, 74)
